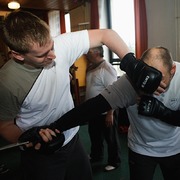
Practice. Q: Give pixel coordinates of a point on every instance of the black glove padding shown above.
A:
(152, 107)
(32, 135)
(143, 76)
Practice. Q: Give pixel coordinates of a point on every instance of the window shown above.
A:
(122, 21)
(54, 22)
(67, 21)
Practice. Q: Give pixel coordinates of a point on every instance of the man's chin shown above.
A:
(49, 64)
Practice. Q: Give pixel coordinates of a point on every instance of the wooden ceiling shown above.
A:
(63, 5)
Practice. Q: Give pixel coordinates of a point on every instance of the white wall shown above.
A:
(103, 23)
(163, 18)
(177, 8)
(162, 25)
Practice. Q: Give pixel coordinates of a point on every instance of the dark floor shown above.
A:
(121, 173)
(11, 159)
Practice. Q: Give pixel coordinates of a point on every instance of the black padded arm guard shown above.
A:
(142, 76)
(152, 107)
(82, 114)
(77, 116)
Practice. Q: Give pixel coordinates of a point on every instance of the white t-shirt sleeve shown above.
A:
(120, 94)
(71, 46)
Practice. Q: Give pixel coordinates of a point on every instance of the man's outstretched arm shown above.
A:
(82, 114)
(75, 117)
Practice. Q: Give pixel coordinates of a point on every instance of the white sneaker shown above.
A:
(109, 168)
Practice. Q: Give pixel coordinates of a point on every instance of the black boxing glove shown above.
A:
(32, 135)
(152, 107)
(143, 76)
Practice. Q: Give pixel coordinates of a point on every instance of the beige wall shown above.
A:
(80, 17)
(162, 25)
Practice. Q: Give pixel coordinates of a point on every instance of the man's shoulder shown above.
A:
(109, 67)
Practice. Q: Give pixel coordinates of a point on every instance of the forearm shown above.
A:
(171, 117)
(82, 114)
(77, 116)
(109, 38)
(110, 112)
(9, 131)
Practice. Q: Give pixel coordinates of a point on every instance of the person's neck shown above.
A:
(26, 65)
(95, 64)
(97, 61)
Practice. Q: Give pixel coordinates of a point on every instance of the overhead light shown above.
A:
(13, 5)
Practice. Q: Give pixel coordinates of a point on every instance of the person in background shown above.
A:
(99, 75)
(153, 135)
(35, 91)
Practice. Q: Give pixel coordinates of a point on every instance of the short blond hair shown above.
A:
(22, 29)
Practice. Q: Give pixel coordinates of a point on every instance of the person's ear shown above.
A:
(173, 70)
(17, 55)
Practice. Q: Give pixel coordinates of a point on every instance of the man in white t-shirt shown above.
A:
(35, 91)
(152, 140)
(99, 75)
